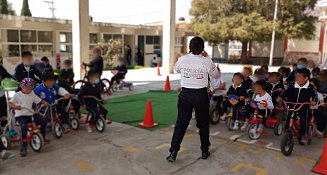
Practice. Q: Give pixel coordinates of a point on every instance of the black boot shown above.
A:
(172, 156)
(23, 150)
(205, 154)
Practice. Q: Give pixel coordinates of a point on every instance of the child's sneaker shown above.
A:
(304, 139)
(236, 125)
(89, 129)
(223, 117)
(319, 134)
(4, 155)
(260, 128)
(245, 125)
(66, 128)
(23, 151)
(46, 141)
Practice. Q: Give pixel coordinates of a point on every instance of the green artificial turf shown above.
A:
(130, 109)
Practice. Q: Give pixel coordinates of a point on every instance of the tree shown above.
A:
(112, 52)
(3, 7)
(11, 10)
(251, 20)
(25, 9)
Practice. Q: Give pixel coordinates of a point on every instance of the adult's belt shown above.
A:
(194, 90)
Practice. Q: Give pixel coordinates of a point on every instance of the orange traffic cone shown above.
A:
(158, 70)
(167, 85)
(148, 117)
(321, 168)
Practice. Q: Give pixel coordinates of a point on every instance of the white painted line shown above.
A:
(233, 137)
(215, 133)
(268, 146)
(247, 142)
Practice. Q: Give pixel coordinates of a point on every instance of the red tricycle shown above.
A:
(287, 142)
(255, 129)
(122, 84)
(34, 135)
(101, 122)
(104, 84)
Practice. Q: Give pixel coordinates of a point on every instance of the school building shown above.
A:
(53, 38)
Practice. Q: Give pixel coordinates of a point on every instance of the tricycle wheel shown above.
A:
(37, 142)
(57, 130)
(6, 141)
(106, 84)
(131, 88)
(215, 117)
(310, 134)
(229, 124)
(278, 129)
(252, 132)
(79, 84)
(74, 123)
(100, 124)
(287, 144)
(114, 88)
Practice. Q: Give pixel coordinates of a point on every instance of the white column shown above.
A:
(169, 36)
(80, 35)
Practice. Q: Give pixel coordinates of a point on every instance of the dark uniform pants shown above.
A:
(189, 99)
(3, 110)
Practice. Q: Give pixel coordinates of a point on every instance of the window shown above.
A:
(45, 49)
(149, 40)
(93, 38)
(152, 40)
(66, 48)
(156, 40)
(12, 36)
(66, 37)
(28, 36)
(44, 37)
(11, 50)
(107, 37)
(117, 37)
(32, 48)
(38, 42)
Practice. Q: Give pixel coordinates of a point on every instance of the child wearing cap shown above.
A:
(22, 102)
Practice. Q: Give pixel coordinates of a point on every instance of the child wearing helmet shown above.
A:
(22, 102)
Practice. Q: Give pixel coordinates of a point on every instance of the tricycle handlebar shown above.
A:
(295, 103)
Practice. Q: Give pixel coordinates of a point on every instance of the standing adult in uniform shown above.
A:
(194, 69)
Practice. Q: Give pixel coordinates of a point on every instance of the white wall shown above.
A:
(295, 45)
(262, 49)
